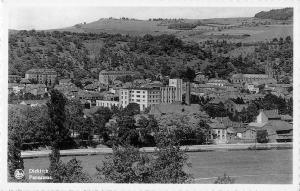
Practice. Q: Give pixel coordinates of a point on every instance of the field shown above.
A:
(256, 167)
(142, 27)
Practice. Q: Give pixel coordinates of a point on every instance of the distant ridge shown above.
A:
(276, 14)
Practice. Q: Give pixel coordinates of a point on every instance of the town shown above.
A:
(174, 97)
(155, 100)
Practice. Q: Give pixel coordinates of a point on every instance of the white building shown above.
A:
(109, 104)
(177, 83)
(145, 97)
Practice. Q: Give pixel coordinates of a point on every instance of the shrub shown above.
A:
(224, 180)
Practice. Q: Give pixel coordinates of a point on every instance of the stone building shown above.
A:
(42, 76)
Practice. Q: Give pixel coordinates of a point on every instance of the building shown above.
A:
(200, 77)
(178, 84)
(65, 82)
(42, 76)
(107, 103)
(175, 108)
(250, 78)
(145, 97)
(278, 130)
(217, 131)
(168, 94)
(217, 82)
(36, 89)
(34, 103)
(252, 88)
(14, 78)
(108, 77)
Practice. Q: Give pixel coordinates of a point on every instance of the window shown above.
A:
(138, 100)
(138, 91)
(138, 96)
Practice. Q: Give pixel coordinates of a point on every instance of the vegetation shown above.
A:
(262, 136)
(60, 172)
(224, 180)
(129, 165)
(276, 14)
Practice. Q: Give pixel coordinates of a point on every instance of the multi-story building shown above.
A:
(250, 78)
(108, 77)
(168, 94)
(178, 84)
(42, 76)
(145, 97)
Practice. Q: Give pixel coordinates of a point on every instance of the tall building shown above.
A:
(42, 76)
(177, 83)
(145, 97)
(168, 94)
(108, 77)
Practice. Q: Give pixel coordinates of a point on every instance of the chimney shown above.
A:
(188, 93)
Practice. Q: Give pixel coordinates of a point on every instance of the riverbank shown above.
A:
(190, 148)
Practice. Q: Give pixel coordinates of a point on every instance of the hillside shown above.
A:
(276, 14)
(191, 30)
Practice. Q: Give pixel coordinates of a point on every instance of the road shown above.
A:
(190, 148)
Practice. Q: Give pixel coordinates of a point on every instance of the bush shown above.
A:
(224, 180)
(262, 136)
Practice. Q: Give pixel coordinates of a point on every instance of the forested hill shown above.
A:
(86, 54)
(276, 14)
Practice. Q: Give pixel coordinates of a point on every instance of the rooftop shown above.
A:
(41, 70)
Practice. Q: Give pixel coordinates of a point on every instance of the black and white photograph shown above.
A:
(150, 95)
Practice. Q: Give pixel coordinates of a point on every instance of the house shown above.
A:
(278, 130)
(70, 91)
(36, 89)
(252, 88)
(65, 82)
(200, 77)
(217, 131)
(33, 103)
(16, 88)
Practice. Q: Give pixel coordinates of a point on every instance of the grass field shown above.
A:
(253, 167)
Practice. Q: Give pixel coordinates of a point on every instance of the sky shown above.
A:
(54, 17)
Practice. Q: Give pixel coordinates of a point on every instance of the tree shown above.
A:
(262, 136)
(15, 160)
(58, 132)
(129, 165)
(126, 165)
(127, 133)
(132, 109)
(169, 160)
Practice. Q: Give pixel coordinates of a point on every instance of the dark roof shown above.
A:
(165, 108)
(278, 125)
(272, 114)
(41, 71)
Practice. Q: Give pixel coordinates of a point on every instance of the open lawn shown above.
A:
(256, 167)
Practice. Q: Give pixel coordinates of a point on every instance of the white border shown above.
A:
(5, 5)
